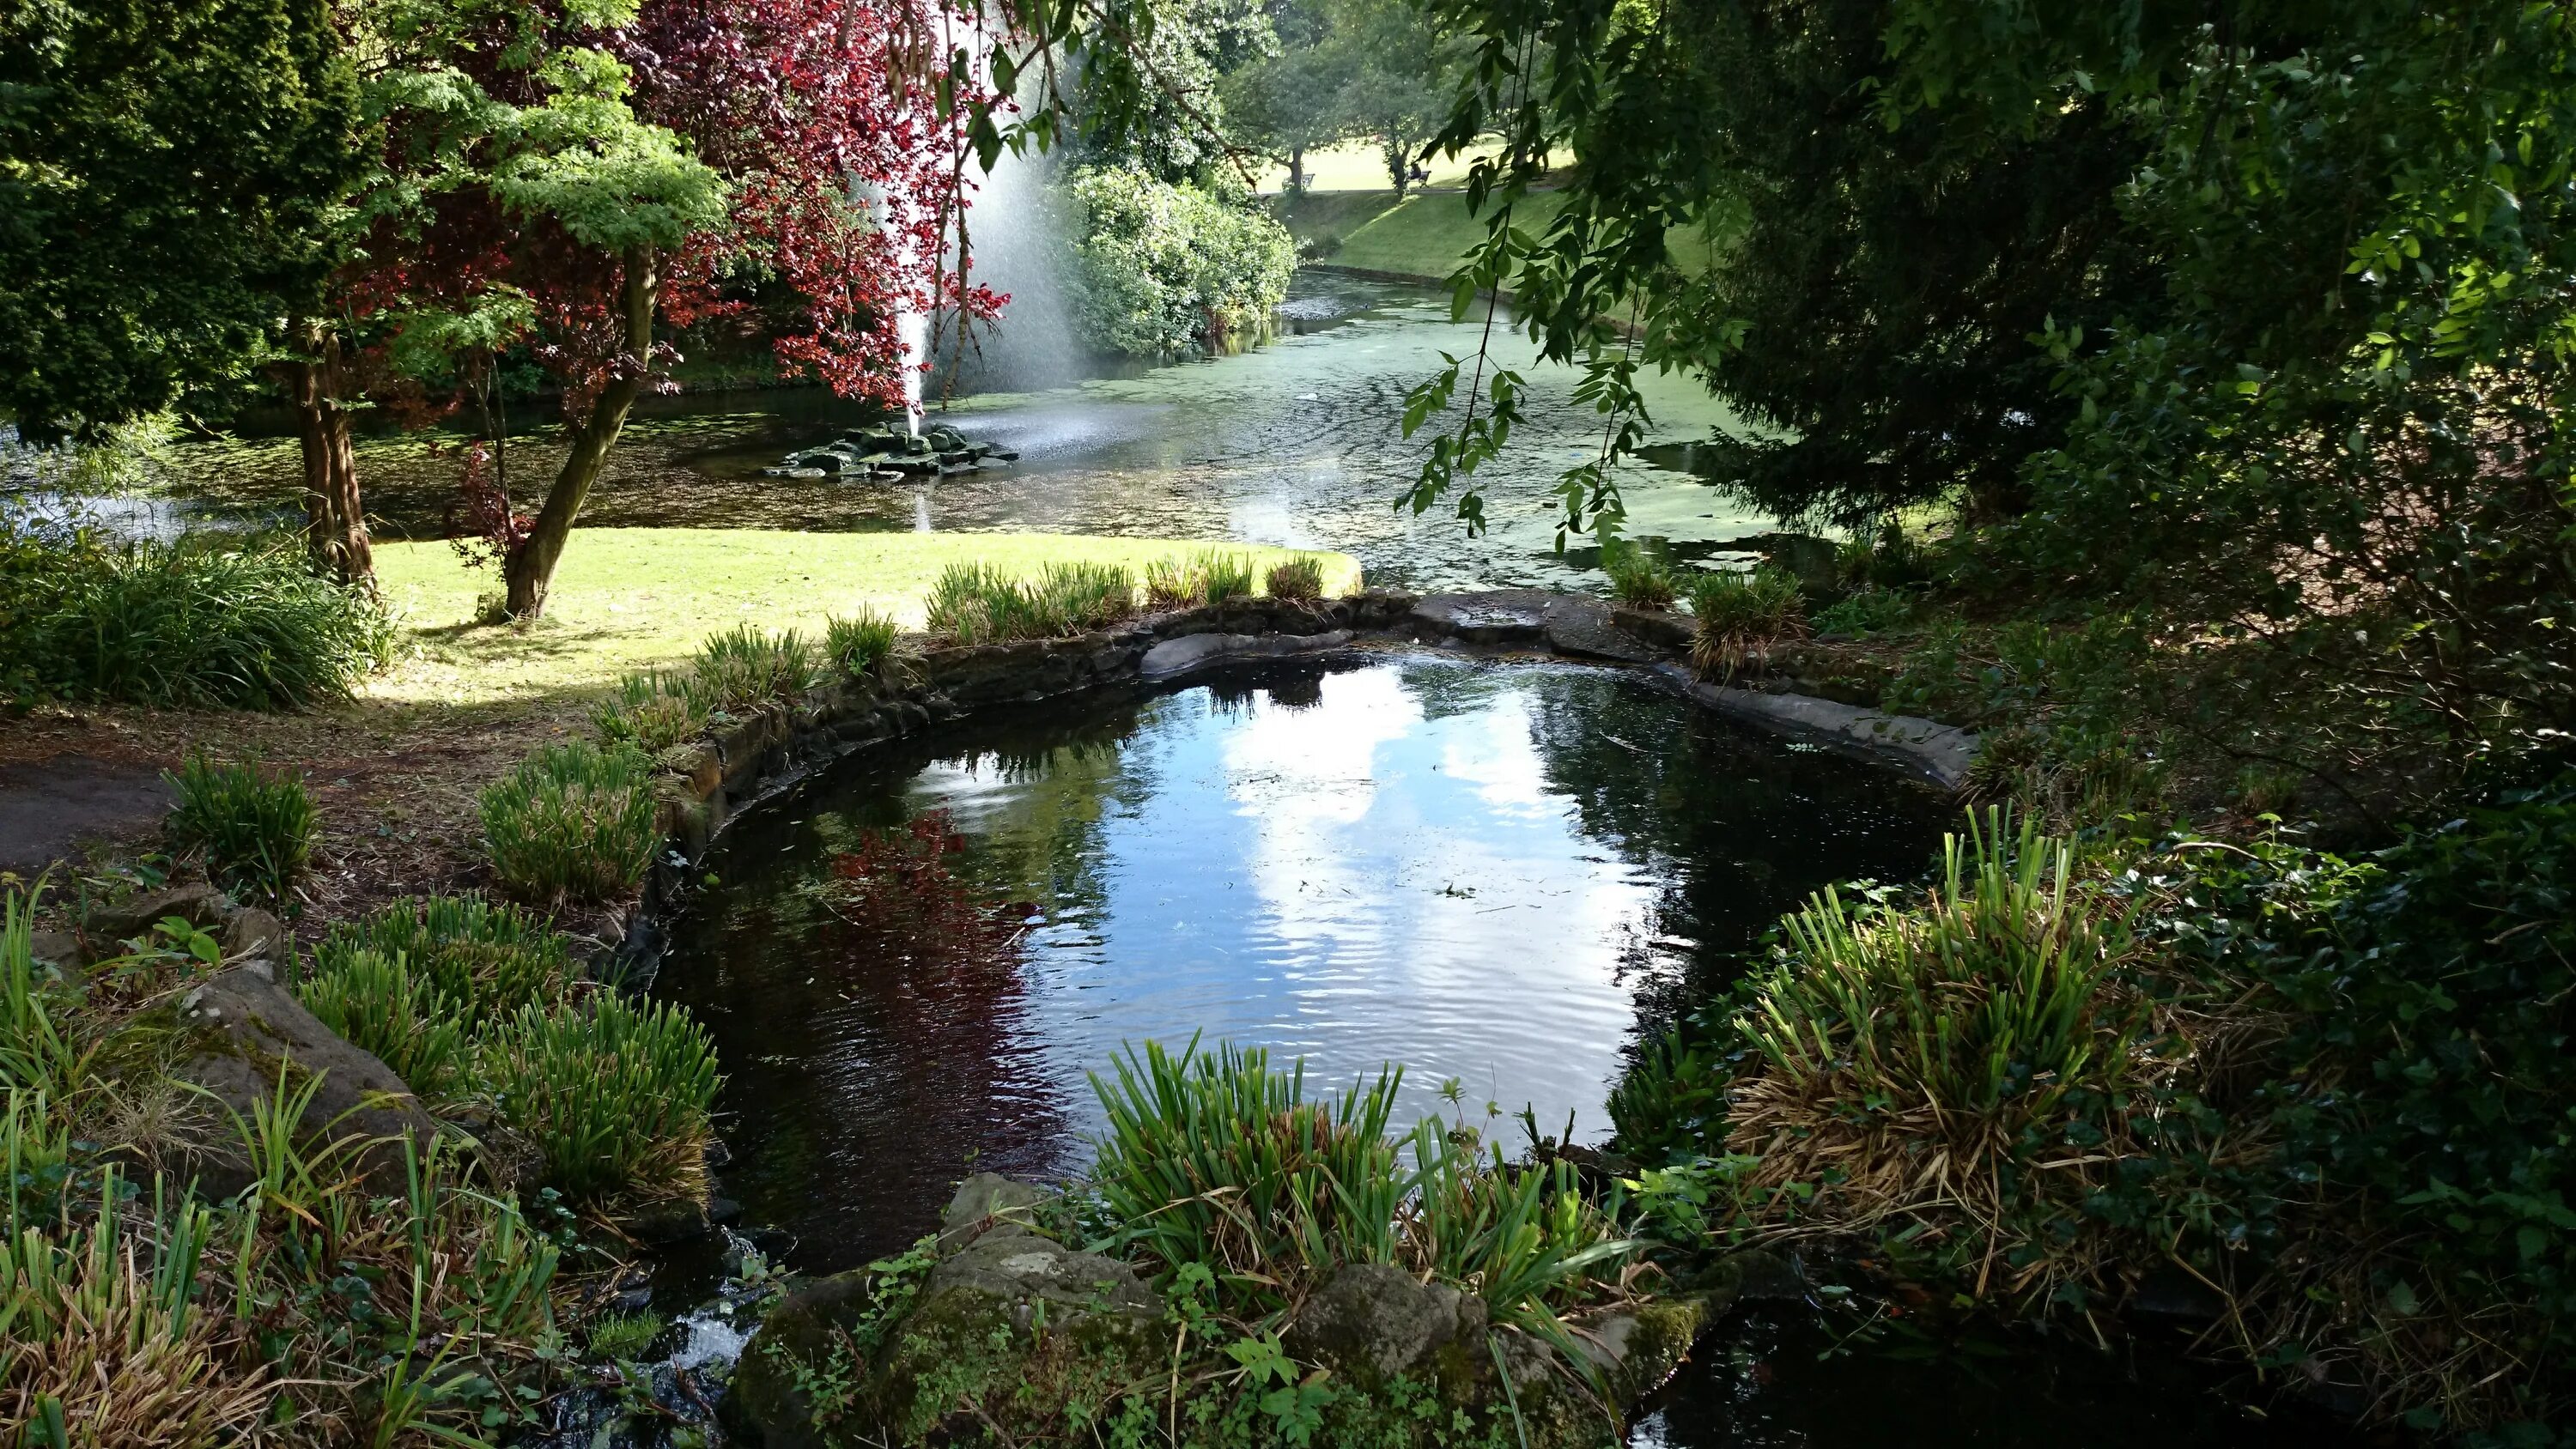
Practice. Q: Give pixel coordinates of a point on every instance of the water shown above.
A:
(1294, 443)
(1488, 873)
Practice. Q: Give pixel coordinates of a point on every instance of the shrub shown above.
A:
(608, 1100)
(652, 711)
(197, 624)
(859, 645)
(1164, 270)
(1742, 614)
(744, 669)
(254, 833)
(487, 958)
(1088, 595)
(1865, 611)
(573, 822)
(1300, 579)
(1641, 580)
(378, 1003)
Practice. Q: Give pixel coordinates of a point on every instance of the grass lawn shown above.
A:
(1430, 231)
(633, 598)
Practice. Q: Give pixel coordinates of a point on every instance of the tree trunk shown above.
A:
(335, 520)
(1395, 165)
(1297, 170)
(531, 568)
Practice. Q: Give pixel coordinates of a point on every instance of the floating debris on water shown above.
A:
(888, 453)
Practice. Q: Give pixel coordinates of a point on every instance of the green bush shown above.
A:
(254, 832)
(486, 958)
(572, 823)
(201, 623)
(1865, 611)
(378, 1003)
(612, 1099)
(1741, 614)
(860, 645)
(652, 711)
(1300, 579)
(744, 669)
(1166, 271)
(1641, 580)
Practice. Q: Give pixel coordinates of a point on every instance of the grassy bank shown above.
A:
(1428, 233)
(394, 771)
(637, 598)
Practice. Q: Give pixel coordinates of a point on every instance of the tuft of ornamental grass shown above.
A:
(200, 623)
(572, 823)
(1741, 615)
(1224, 575)
(610, 1100)
(1641, 580)
(651, 710)
(744, 669)
(378, 1003)
(976, 603)
(253, 831)
(624, 1337)
(861, 644)
(1171, 583)
(1215, 1160)
(1299, 580)
(1988, 1011)
(487, 958)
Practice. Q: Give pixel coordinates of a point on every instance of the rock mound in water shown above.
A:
(890, 453)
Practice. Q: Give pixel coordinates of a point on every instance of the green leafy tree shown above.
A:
(168, 169)
(1288, 104)
(1399, 66)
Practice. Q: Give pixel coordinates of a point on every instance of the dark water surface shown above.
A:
(1483, 872)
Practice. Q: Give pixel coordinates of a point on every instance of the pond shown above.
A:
(1294, 443)
(1501, 875)
(1497, 875)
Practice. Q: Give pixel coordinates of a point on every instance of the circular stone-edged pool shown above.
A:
(1497, 875)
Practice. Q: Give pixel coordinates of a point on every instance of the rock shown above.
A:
(670, 1220)
(986, 1205)
(246, 1035)
(1503, 616)
(254, 933)
(58, 949)
(765, 1405)
(1372, 1321)
(1936, 752)
(1175, 657)
(1583, 628)
(1663, 628)
(2170, 1293)
(199, 905)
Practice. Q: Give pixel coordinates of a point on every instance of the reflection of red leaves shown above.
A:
(904, 905)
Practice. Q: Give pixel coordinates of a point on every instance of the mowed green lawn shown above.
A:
(635, 598)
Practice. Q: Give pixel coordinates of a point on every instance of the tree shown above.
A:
(1398, 64)
(574, 186)
(166, 169)
(1286, 105)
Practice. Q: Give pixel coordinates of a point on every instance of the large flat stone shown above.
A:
(1936, 752)
(1175, 657)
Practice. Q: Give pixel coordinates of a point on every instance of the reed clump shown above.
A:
(572, 823)
(977, 603)
(1641, 580)
(252, 829)
(1741, 615)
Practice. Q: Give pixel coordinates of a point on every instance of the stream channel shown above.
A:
(1498, 874)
